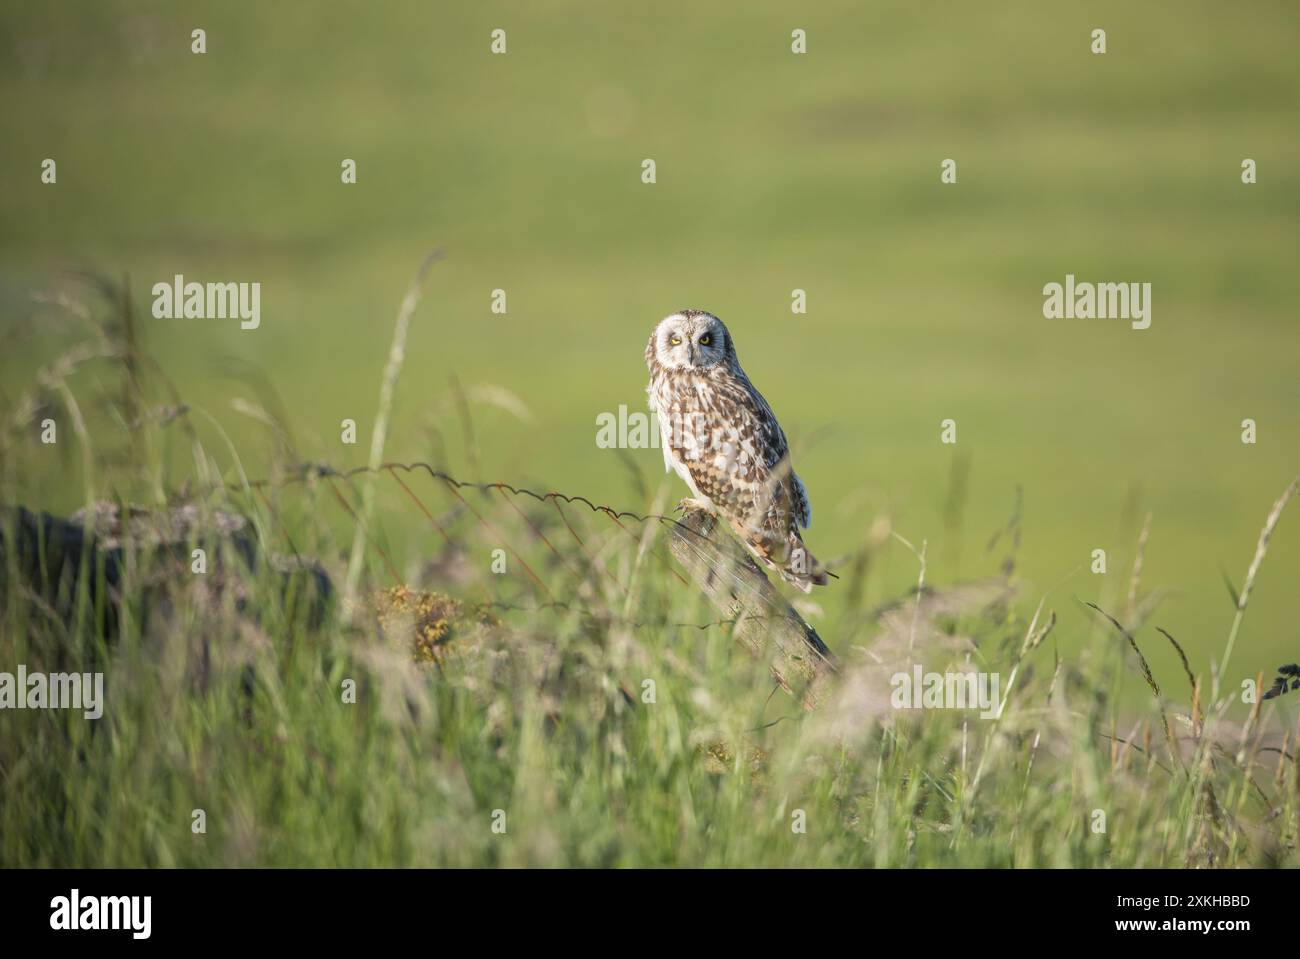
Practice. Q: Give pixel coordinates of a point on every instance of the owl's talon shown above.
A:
(687, 504)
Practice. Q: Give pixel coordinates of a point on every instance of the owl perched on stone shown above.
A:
(723, 439)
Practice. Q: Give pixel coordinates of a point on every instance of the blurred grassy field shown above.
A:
(775, 171)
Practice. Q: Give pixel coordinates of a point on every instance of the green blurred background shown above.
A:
(775, 172)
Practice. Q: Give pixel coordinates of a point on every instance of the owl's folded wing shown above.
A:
(737, 456)
(799, 496)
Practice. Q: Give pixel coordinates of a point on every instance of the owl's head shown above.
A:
(689, 340)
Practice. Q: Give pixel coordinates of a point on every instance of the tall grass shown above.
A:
(583, 707)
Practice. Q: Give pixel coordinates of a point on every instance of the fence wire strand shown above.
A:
(510, 493)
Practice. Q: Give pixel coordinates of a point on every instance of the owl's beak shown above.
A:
(690, 352)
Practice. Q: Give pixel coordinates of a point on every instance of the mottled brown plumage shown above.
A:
(723, 439)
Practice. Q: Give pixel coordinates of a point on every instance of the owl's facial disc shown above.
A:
(691, 339)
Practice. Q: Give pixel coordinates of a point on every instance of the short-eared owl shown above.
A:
(723, 439)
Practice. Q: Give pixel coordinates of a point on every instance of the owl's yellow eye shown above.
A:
(706, 339)
(675, 341)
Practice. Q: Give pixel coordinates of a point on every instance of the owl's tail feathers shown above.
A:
(801, 569)
(785, 553)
